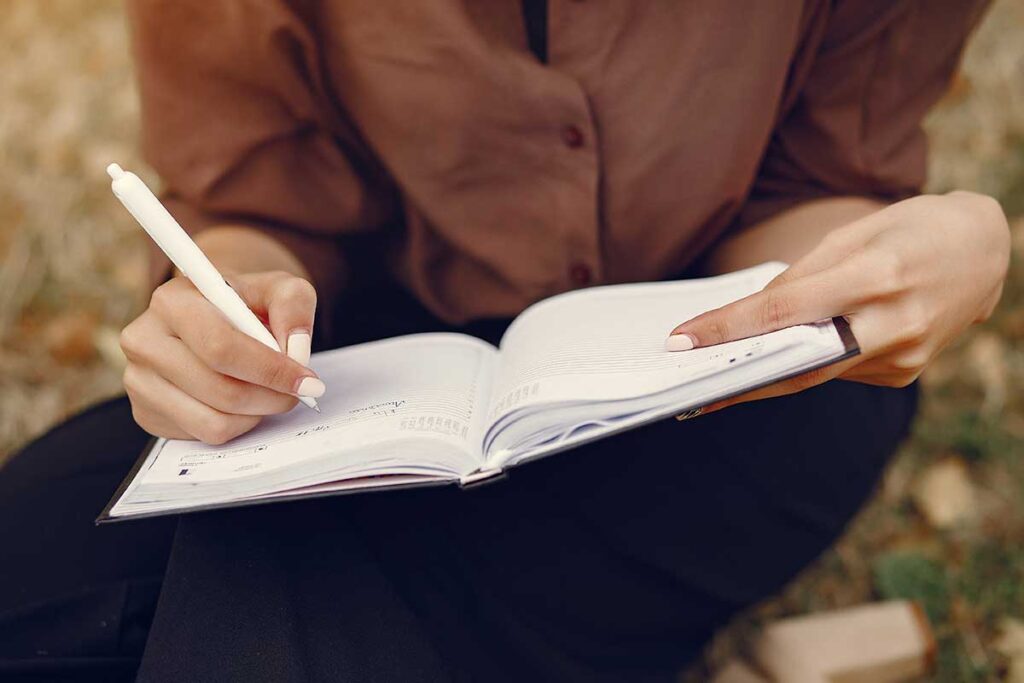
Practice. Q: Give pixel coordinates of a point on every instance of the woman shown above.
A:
(366, 169)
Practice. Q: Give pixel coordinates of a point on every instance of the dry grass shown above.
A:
(969, 574)
(72, 264)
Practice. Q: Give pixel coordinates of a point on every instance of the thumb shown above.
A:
(288, 303)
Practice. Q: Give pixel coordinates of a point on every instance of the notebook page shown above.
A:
(428, 386)
(607, 343)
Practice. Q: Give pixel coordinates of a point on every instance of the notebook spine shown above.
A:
(484, 476)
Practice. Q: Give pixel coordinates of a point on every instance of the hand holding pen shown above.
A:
(201, 364)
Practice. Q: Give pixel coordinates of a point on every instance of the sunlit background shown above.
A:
(946, 527)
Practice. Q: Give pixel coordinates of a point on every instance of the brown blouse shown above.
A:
(494, 179)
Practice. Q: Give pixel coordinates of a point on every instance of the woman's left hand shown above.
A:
(908, 278)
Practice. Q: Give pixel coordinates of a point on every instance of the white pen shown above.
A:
(187, 257)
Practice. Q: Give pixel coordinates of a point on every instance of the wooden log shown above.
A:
(878, 643)
(735, 671)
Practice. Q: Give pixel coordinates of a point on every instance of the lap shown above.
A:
(614, 560)
(633, 550)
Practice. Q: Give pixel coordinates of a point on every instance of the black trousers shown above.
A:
(613, 562)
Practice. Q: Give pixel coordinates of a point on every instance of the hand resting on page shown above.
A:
(909, 278)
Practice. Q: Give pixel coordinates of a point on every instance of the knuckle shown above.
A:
(233, 395)
(277, 374)
(298, 288)
(278, 275)
(776, 310)
(259, 285)
(163, 297)
(217, 350)
(716, 330)
(130, 339)
(915, 325)
(891, 271)
(216, 429)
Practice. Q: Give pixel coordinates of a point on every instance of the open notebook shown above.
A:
(437, 408)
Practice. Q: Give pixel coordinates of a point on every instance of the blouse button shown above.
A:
(580, 275)
(572, 137)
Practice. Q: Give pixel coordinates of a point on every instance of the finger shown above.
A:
(157, 402)
(170, 358)
(148, 342)
(818, 296)
(291, 311)
(289, 304)
(897, 368)
(226, 350)
(860, 325)
(789, 386)
(152, 421)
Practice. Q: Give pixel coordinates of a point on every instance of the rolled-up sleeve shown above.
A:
(851, 121)
(233, 123)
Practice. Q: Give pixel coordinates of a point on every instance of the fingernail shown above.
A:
(298, 349)
(679, 342)
(311, 387)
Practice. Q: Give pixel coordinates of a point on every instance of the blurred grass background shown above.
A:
(946, 527)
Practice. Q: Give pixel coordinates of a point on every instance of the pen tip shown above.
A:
(114, 171)
(316, 408)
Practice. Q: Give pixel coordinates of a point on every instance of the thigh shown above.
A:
(617, 561)
(75, 599)
(285, 593)
(738, 501)
(612, 562)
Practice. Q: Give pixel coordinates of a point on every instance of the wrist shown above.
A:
(988, 232)
(242, 249)
(984, 210)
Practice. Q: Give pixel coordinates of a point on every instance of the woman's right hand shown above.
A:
(192, 375)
